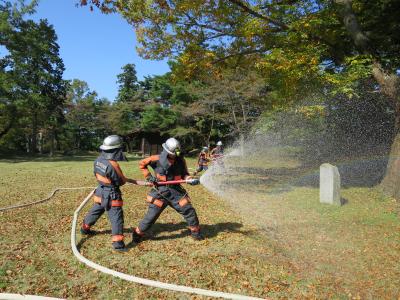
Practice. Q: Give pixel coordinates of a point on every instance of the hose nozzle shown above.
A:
(193, 181)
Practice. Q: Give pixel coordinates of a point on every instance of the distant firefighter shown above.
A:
(202, 161)
(217, 152)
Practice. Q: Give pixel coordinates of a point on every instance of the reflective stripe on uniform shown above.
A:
(155, 201)
(161, 177)
(117, 238)
(97, 199)
(117, 169)
(184, 201)
(116, 203)
(147, 161)
(103, 179)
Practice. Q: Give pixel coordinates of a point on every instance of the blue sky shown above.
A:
(95, 46)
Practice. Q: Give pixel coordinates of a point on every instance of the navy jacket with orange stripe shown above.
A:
(164, 167)
(108, 172)
(110, 177)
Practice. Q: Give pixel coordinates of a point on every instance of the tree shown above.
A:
(33, 69)
(127, 83)
(87, 117)
(233, 102)
(294, 44)
(158, 119)
(11, 16)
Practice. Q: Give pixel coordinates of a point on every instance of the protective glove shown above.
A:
(152, 179)
(194, 181)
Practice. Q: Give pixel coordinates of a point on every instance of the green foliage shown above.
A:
(296, 45)
(128, 85)
(86, 117)
(157, 118)
(32, 86)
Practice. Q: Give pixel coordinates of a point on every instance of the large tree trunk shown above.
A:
(57, 140)
(34, 133)
(142, 146)
(391, 182)
(212, 125)
(390, 85)
(52, 144)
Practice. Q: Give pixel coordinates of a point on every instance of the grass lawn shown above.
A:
(263, 238)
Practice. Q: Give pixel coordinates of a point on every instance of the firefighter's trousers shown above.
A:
(177, 198)
(115, 215)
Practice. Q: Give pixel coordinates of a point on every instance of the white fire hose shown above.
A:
(81, 258)
(24, 297)
(53, 192)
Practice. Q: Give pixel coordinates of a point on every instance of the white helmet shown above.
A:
(205, 148)
(111, 142)
(172, 146)
(219, 143)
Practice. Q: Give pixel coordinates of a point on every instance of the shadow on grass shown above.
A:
(176, 231)
(354, 173)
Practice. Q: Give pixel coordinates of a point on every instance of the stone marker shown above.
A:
(329, 185)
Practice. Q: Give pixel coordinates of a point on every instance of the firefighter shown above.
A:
(217, 155)
(168, 165)
(202, 162)
(217, 152)
(107, 196)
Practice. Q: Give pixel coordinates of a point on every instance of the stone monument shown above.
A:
(329, 185)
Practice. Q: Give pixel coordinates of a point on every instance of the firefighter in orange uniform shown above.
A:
(168, 165)
(202, 162)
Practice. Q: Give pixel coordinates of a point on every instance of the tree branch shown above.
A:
(352, 26)
(243, 53)
(252, 12)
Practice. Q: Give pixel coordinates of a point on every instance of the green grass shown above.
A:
(265, 238)
(36, 256)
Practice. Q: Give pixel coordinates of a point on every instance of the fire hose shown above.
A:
(131, 278)
(52, 193)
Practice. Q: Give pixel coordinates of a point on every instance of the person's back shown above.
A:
(108, 196)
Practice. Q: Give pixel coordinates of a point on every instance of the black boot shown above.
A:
(136, 238)
(87, 231)
(119, 246)
(196, 235)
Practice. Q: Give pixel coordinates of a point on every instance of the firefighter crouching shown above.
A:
(202, 162)
(168, 165)
(107, 196)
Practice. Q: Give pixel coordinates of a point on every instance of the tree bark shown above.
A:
(34, 133)
(57, 140)
(128, 145)
(52, 135)
(212, 125)
(390, 85)
(142, 147)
